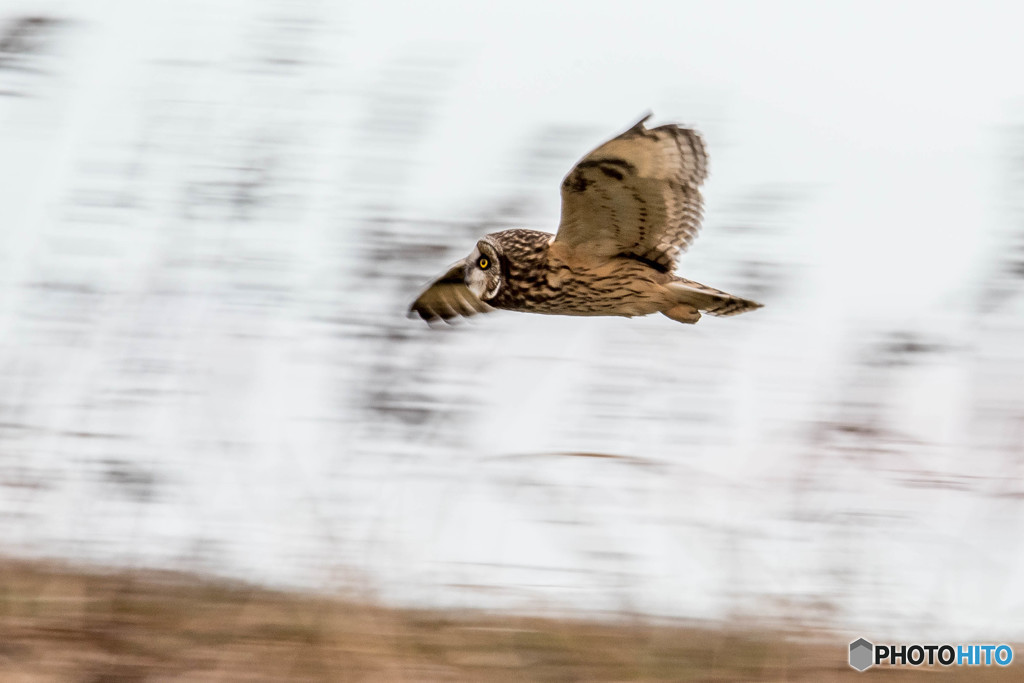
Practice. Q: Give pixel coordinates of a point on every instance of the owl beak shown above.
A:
(476, 282)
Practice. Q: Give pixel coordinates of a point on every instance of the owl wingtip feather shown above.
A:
(639, 125)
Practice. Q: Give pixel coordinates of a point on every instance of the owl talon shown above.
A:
(683, 313)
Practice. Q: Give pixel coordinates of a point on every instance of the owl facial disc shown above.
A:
(483, 272)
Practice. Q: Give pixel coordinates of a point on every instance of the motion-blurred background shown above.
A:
(214, 214)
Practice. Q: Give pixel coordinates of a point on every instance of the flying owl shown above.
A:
(629, 209)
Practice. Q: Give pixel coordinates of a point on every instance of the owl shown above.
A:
(629, 209)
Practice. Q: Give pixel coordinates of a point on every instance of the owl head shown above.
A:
(507, 269)
(484, 269)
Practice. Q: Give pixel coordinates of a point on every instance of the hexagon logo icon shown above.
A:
(861, 654)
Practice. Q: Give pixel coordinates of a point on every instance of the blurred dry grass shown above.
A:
(62, 624)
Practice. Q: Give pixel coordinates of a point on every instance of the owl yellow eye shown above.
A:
(483, 263)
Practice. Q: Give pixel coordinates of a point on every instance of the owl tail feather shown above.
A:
(691, 295)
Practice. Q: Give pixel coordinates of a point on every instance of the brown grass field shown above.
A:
(64, 624)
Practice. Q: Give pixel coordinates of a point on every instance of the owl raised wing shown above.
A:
(636, 195)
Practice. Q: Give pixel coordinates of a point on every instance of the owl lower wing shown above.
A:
(636, 195)
(448, 297)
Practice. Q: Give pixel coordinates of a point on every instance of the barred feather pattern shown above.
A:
(535, 281)
(637, 194)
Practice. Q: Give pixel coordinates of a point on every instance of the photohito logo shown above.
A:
(864, 655)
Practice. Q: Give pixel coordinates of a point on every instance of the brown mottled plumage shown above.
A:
(629, 208)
